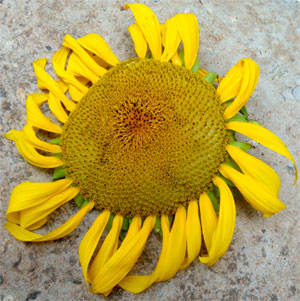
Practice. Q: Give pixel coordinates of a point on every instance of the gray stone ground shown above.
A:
(262, 262)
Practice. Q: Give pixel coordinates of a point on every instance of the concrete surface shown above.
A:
(263, 260)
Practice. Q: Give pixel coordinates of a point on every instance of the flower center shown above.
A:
(147, 138)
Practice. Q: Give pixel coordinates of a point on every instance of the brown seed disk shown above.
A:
(147, 138)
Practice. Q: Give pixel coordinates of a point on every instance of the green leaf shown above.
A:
(109, 223)
(214, 200)
(181, 55)
(196, 66)
(243, 111)
(239, 118)
(210, 77)
(55, 141)
(125, 224)
(59, 173)
(157, 225)
(242, 145)
(80, 201)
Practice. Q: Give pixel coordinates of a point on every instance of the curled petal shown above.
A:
(122, 261)
(66, 228)
(187, 26)
(30, 135)
(193, 233)
(33, 215)
(224, 229)
(90, 241)
(71, 43)
(27, 195)
(255, 168)
(171, 39)
(256, 193)
(171, 257)
(264, 137)
(149, 25)
(209, 219)
(239, 82)
(57, 109)
(108, 247)
(45, 81)
(59, 61)
(28, 152)
(36, 118)
(97, 45)
(78, 68)
(140, 43)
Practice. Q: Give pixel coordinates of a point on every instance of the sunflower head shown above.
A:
(147, 138)
(150, 142)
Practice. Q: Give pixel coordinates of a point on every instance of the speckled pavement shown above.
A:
(262, 262)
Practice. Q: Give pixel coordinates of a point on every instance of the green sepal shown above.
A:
(255, 122)
(58, 155)
(210, 77)
(109, 223)
(196, 66)
(243, 111)
(171, 217)
(125, 224)
(242, 145)
(55, 141)
(59, 173)
(239, 118)
(228, 182)
(122, 234)
(80, 201)
(216, 192)
(213, 200)
(232, 164)
(181, 56)
(157, 225)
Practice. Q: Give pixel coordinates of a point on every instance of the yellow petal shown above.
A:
(39, 98)
(140, 43)
(28, 152)
(218, 79)
(59, 61)
(171, 40)
(255, 168)
(97, 45)
(171, 257)
(71, 43)
(209, 219)
(187, 26)
(30, 135)
(37, 225)
(47, 82)
(224, 231)
(117, 267)
(264, 137)
(240, 82)
(75, 93)
(78, 68)
(256, 193)
(193, 233)
(231, 83)
(57, 109)
(34, 214)
(149, 25)
(90, 241)
(36, 118)
(28, 194)
(108, 247)
(66, 228)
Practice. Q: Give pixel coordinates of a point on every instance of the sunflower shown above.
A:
(150, 143)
